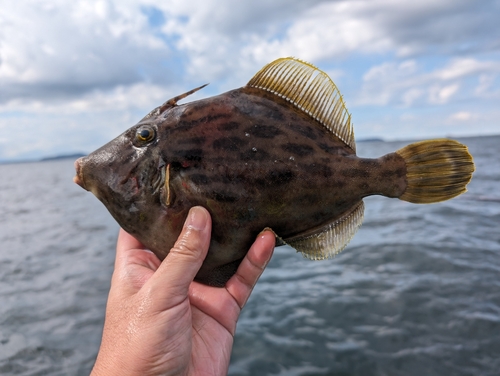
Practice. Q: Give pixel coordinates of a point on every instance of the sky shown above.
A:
(75, 74)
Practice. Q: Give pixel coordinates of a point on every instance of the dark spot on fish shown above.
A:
(363, 186)
(187, 124)
(340, 183)
(268, 107)
(356, 173)
(317, 169)
(246, 215)
(280, 177)
(199, 106)
(390, 174)
(400, 172)
(305, 131)
(254, 155)
(223, 197)
(328, 148)
(222, 176)
(224, 179)
(318, 216)
(274, 179)
(227, 180)
(235, 179)
(183, 126)
(211, 118)
(199, 179)
(251, 213)
(264, 131)
(260, 182)
(275, 114)
(369, 163)
(234, 93)
(336, 150)
(387, 174)
(192, 140)
(341, 202)
(194, 155)
(175, 166)
(298, 149)
(229, 143)
(308, 199)
(232, 125)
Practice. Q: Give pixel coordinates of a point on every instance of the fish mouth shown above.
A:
(78, 178)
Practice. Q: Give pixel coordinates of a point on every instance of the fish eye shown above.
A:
(145, 134)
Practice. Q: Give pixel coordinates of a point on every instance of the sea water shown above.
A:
(416, 292)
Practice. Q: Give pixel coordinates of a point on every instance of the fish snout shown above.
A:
(78, 178)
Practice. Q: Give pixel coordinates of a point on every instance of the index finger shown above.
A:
(241, 284)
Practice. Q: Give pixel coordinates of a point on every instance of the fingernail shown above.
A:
(197, 218)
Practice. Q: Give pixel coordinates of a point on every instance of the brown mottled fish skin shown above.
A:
(252, 158)
(247, 156)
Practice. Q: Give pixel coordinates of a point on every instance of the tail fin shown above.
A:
(437, 170)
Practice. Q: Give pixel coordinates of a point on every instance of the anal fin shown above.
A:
(279, 241)
(331, 238)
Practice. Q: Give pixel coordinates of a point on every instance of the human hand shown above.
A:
(160, 322)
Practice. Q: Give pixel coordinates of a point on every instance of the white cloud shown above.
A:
(486, 87)
(461, 116)
(119, 98)
(411, 95)
(321, 30)
(442, 94)
(66, 48)
(327, 30)
(408, 83)
(463, 67)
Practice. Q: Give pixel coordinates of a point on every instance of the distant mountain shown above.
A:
(374, 139)
(63, 156)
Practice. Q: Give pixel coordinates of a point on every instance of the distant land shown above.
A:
(45, 159)
(374, 139)
(63, 156)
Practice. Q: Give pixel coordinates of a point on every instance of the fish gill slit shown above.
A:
(168, 198)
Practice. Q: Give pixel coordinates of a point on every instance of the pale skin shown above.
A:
(159, 321)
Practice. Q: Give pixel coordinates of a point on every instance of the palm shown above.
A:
(211, 345)
(210, 312)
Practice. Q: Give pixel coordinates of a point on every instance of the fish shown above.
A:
(278, 153)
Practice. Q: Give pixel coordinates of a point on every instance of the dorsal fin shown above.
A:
(331, 238)
(171, 103)
(311, 90)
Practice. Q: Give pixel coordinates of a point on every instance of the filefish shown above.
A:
(278, 153)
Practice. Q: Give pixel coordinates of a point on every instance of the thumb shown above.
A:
(179, 268)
